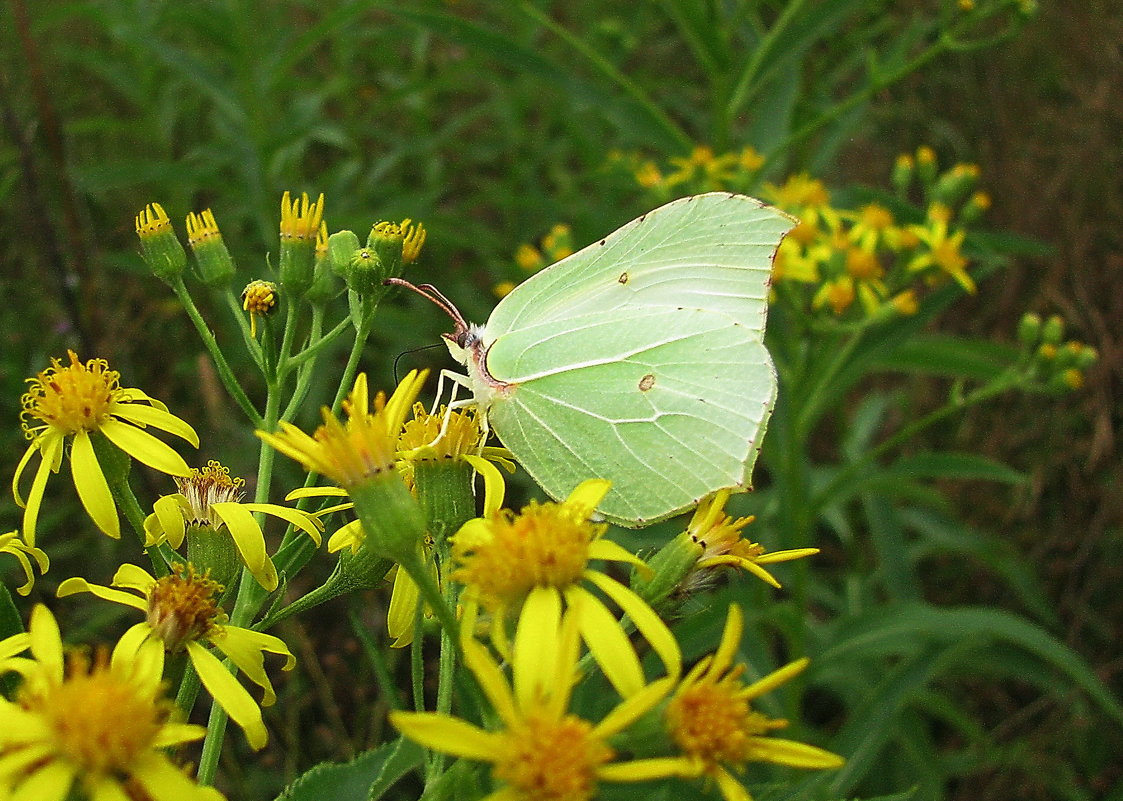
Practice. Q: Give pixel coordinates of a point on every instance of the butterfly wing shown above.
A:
(711, 252)
(669, 404)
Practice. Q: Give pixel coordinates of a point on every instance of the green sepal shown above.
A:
(444, 489)
(164, 254)
(391, 517)
(215, 551)
(669, 566)
(213, 263)
(295, 266)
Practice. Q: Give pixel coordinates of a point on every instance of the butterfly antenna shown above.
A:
(398, 358)
(433, 295)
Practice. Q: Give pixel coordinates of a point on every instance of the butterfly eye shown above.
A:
(465, 339)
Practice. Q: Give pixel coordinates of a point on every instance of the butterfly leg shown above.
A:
(457, 380)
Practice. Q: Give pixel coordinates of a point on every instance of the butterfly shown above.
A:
(639, 359)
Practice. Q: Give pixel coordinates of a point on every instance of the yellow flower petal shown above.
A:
(796, 755)
(633, 707)
(730, 640)
(245, 649)
(35, 496)
(106, 788)
(46, 642)
(93, 489)
(610, 551)
(162, 419)
(316, 492)
(731, 788)
(145, 448)
(589, 493)
(163, 780)
(536, 646)
(132, 577)
(49, 783)
(16, 644)
(639, 770)
(229, 694)
(250, 542)
(75, 585)
(402, 612)
(168, 513)
(127, 658)
(649, 624)
(775, 678)
(608, 644)
(450, 735)
(494, 488)
(176, 733)
(491, 679)
(301, 520)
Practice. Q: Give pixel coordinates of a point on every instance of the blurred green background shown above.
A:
(491, 122)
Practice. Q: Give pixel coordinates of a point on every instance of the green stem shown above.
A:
(115, 463)
(225, 374)
(673, 132)
(999, 385)
(347, 381)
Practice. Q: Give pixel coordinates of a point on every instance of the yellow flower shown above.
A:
(182, 610)
(509, 561)
(208, 502)
(719, 539)
(104, 727)
(716, 730)
(365, 447)
(943, 249)
(300, 220)
(12, 544)
(79, 400)
(541, 751)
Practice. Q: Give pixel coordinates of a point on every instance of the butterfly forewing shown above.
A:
(712, 252)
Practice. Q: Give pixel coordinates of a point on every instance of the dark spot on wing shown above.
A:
(623, 279)
(647, 382)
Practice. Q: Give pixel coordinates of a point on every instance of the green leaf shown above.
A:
(902, 628)
(366, 777)
(937, 464)
(957, 357)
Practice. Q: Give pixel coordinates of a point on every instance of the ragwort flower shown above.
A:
(103, 725)
(83, 401)
(716, 730)
(542, 752)
(509, 562)
(209, 512)
(182, 612)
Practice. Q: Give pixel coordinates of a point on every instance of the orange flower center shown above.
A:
(462, 437)
(711, 719)
(99, 720)
(182, 607)
(71, 398)
(546, 545)
(553, 760)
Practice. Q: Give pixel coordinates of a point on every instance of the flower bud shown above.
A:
(162, 251)
(259, 298)
(1053, 330)
(396, 244)
(1029, 329)
(323, 287)
(212, 259)
(903, 171)
(953, 185)
(926, 165)
(300, 224)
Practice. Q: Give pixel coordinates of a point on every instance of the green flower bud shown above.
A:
(396, 244)
(1029, 329)
(1053, 330)
(162, 251)
(323, 288)
(213, 262)
(926, 165)
(1087, 357)
(300, 224)
(903, 171)
(953, 185)
(669, 566)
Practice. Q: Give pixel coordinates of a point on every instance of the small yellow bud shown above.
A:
(259, 298)
(162, 251)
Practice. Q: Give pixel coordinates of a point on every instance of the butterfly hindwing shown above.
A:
(669, 404)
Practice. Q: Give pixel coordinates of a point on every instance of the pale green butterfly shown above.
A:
(639, 359)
